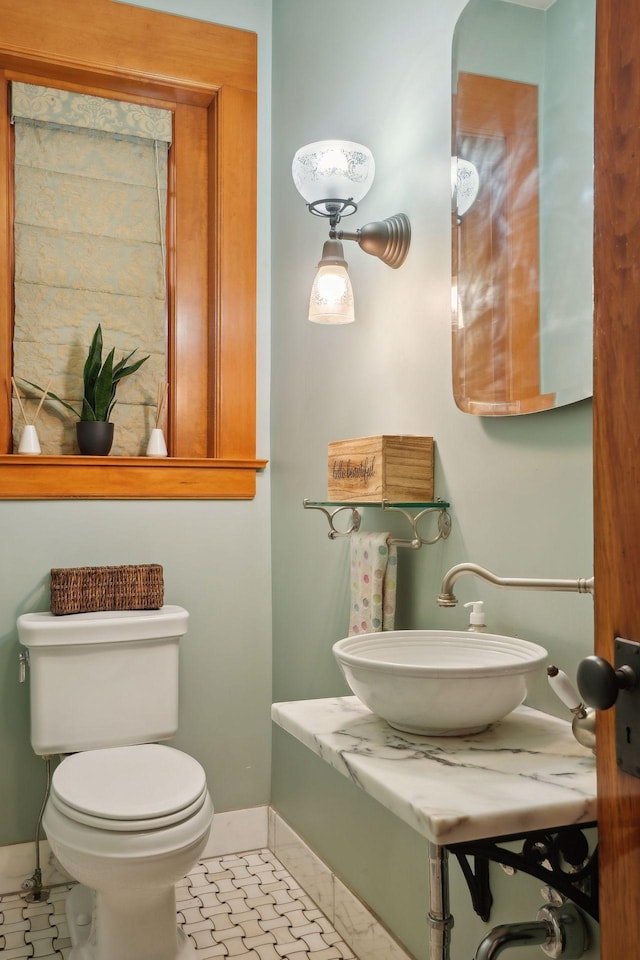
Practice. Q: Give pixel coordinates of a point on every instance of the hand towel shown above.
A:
(373, 583)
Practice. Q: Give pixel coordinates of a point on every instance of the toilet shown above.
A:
(127, 816)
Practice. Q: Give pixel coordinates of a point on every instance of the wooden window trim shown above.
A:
(206, 74)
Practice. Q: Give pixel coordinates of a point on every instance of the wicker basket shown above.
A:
(85, 589)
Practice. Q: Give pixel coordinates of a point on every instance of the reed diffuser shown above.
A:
(29, 442)
(157, 446)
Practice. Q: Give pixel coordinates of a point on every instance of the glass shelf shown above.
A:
(384, 504)
(332, 508)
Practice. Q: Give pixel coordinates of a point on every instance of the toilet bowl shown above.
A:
(128, 823)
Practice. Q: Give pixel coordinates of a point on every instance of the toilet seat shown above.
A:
(129, 789)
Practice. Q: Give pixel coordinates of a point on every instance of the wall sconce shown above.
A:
(333, 176)
(465, 185)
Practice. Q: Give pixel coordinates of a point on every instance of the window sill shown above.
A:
(126, 478)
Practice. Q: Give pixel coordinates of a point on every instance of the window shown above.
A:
(206, 76)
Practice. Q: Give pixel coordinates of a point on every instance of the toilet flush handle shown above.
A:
(23, 662)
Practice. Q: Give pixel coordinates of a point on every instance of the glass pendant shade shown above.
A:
(333, 170)
(331, 299)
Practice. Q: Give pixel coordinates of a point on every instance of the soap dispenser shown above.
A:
(476, 617)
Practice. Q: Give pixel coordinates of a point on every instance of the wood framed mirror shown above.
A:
(205, 75)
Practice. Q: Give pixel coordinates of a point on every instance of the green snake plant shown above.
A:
(100, 381)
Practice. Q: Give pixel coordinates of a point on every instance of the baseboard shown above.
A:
(18, 863)
(236, 831)
(232, 832)
(361, 930)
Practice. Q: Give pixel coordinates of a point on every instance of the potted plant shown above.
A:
(94, 430)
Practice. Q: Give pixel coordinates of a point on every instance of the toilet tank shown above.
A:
(102, 679)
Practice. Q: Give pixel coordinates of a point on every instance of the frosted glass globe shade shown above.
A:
(333, 170)
(467, 185)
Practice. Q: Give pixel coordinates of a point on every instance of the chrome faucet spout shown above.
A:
(447, 597)
(559, 929)
(509, 935)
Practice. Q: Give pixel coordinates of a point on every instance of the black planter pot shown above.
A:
(94, 437)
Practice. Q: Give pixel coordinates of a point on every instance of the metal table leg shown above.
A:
(439, 919)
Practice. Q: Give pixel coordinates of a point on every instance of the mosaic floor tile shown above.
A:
(245, 907)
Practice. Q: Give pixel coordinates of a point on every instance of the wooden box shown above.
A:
(372, 469)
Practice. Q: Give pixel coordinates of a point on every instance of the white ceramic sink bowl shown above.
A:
(443, 683)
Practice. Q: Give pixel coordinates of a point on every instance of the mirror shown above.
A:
(522, 188)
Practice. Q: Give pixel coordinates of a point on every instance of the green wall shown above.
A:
(216, 559)
(520, 488)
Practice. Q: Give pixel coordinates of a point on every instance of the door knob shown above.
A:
(599, 683)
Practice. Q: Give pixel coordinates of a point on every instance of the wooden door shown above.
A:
(617, 444)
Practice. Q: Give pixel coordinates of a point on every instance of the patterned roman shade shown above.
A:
(90, 216)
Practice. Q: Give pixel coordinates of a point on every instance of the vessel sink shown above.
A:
(442, 683)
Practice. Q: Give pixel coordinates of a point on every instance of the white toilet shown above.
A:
(126, 816)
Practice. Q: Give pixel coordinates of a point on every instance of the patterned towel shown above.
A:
(373, 583)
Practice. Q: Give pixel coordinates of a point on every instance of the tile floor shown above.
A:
(244, 906)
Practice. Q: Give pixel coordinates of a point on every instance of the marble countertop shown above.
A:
(525, 773)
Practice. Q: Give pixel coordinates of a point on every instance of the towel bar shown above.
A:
(331, 510)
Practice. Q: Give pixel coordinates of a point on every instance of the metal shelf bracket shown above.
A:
(333, 510)
(561, 858)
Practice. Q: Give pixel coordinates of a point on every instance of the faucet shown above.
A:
(583, 725)
(447, 598)
(511, 935)
(559, 930)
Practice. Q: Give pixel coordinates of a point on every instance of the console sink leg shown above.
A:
(439, 919)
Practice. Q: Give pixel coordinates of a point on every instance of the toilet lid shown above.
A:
(145, 784)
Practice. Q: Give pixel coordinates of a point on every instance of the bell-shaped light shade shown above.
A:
(331, 299)
(333, 170)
